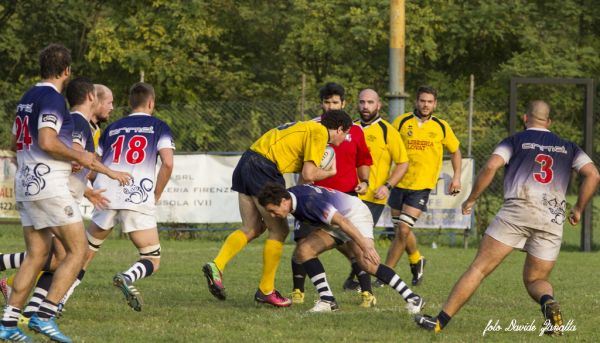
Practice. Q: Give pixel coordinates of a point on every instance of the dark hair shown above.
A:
(140, 93)
(330, 89)
(272, 193)
(54, 59)
(428, 90)
(78, 89)
(335, 118)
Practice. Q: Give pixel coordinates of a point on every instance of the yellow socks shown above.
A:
(232, 246)
(271, 256)
(414, 257)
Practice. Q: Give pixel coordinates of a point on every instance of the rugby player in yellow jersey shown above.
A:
(290, 148)
(385, 146)
(424, 137)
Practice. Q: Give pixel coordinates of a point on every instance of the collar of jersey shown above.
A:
(419, 118)
(371, 123)
(140, 114)
(294, 202)
(538, 129)
(46, 84)
(77, 112)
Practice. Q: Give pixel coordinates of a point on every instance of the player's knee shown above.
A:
(406, 220)
(151, 252)
(94, 243)
(304, 253)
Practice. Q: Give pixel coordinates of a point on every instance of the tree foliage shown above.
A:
(247, 50)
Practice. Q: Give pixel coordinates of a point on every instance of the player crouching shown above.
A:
(341, 218)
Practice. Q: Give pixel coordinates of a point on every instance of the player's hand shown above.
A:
(361, 188)
(371, 255)
(454, 187)
(75, 167)
(123, 177)
(382, 192)
(574, 215)
(86, 159)
(96, 198)
(332, 170)
(467, 207)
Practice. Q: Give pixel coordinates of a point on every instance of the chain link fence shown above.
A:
(229, 127)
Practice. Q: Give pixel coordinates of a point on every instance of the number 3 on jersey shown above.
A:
(135, 152)
(546, 173)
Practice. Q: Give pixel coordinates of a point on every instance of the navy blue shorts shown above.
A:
(253, 172)
(417, 199)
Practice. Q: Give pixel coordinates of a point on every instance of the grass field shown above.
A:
(179, 308)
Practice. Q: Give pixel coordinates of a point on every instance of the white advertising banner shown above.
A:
(443, 210)
(199, 191)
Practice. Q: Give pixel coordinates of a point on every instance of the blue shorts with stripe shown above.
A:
(253, 172)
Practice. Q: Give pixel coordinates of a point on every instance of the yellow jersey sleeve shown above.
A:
(385, 146)
(292, 144)
(450, 141)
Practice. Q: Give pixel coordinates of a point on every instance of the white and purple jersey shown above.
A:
(538, 169)
(317, 205)
(131, 144)
(82, 135)
(39, 175)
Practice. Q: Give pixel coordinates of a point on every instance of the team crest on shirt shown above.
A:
(348, 138)
(138, 194)
(32, 180)
(409, 133)
(69, 211)
(49, 118)
(556, 208)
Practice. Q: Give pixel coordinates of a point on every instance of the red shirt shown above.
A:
(349, 155)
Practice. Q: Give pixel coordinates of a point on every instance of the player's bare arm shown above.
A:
(349, 229)
(456, 159)
(164, 173)
(312, 173)
(363, 175)
(384, 190)
(591, 177)
(484, 178)
(49, 143)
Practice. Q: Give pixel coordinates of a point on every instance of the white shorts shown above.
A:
(51, 212)
(541, 244)
(362, 219)
(130, 220)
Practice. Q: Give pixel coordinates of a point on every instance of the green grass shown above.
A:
(179, 308)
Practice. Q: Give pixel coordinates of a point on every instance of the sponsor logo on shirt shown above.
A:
(49, 118)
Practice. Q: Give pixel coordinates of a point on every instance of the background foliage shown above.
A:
(227, 70)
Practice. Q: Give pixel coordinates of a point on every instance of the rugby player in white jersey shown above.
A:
(133, 144)
(42, 139)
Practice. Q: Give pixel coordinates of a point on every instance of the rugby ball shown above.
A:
(328, 158)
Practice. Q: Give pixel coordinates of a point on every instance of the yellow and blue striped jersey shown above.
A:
(385, 146)
(292, 144)
(425, 142)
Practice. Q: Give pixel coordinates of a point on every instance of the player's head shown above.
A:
(337, 122)
(538, 114)
(369, 105)
(426, 100)
(104, 103)
(141, 97)
(332, 97)
(275, 199)
(55, 62)
(80, 91)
